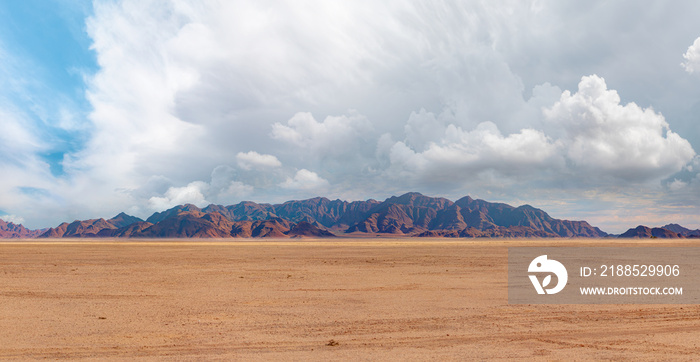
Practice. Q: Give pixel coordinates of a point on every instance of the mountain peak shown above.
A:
(682, 230)
(411, 194)
(123, 220)
(410, 198)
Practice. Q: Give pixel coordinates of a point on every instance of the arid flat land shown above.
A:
(376, 299)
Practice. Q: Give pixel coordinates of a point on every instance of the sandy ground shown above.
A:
(287, 300)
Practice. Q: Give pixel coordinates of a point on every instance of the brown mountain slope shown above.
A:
(271, 228)
(123, 220)
(221, 222)
(87, 228)
(79, 229)
(185, 224)
(331, 214)
(246, 210)
(10, 230)
(132, 230)
(242, 229)
(682, 230)
(409, 213)
(307, 229)
(160, 216)
(414, 213)
(56, 232)
(482, 214)
(643, 232)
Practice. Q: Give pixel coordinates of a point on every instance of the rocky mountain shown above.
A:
(186, 224)
(307, 229)
(160, 216)
(335, 214)
(79, 229)
(682, 230)
(411, 214)
(129, 231)
(420, 215)
(270, 228)
(186, 221)
(643, 232)
(407, 214)
(123, 220)
(10, 230)
(117, 226)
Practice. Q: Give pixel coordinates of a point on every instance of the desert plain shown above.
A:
(340, 299)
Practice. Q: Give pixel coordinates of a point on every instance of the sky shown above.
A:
(587, 110)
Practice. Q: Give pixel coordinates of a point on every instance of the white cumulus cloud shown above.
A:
(587, 135)
(601, 135)
(193, 193)
(692, 57)
(334, 134)
(305, 180)
(236, 190)
(223, 188)
(460, 154)
(252, 159)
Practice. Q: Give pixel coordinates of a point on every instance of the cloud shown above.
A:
(236, 190)
(601, 135)
(587, 138)
(685, 184)
(193, 193)
(18, 144)
(677, 184)
(223, 188)
(461, 155)
(198, 193)
(12, 218)
(343, 145)
(692, 57)
(252, 159)
(305, 180)
(336, 134)
(217, 78)
(24, 169)
(226, 187)
(422, 128)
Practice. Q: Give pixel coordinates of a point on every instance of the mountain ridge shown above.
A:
(411, 214)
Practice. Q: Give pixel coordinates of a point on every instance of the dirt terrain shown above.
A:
(349, 299)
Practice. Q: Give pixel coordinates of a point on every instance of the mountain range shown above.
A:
(411, 214)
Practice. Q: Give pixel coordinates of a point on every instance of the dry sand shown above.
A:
(382, 299)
